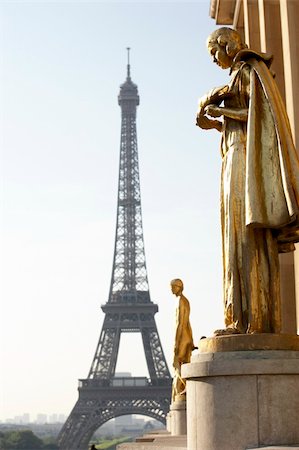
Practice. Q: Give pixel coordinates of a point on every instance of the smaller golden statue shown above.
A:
(183, 340)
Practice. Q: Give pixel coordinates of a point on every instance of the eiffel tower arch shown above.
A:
(129, 309)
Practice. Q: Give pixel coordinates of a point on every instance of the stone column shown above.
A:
(252, 24)
(270, 35)
(270, 24)
(240, 399)
(178, 418)
(289, 10)
(168, 422)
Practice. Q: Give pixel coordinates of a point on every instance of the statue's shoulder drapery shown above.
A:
(272, 168)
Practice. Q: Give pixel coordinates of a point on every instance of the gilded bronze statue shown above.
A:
(259, 183)
(183, 340)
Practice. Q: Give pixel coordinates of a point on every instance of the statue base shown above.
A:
(244, 342)
(177, 422)
(168, 422)
(241, 399)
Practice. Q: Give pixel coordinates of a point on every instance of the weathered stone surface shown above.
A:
(278, 409)
(242, 400)
(178, 421)
(221, 413)
(256, 362)
(168, 422)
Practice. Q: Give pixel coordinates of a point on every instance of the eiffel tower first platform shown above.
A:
(102, 395)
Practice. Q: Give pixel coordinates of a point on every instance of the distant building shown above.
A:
(9, 421)
(26, 418)
(122, 422)
(41, 418)
(61, 418)
(53, 418)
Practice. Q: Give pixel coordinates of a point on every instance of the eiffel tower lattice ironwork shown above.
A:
(103, 396)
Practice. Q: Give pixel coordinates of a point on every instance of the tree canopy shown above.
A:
(23, 440)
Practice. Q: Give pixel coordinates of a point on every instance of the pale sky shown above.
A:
(61, 67)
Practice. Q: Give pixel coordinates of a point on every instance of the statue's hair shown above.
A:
(228, 38)
(177, 282)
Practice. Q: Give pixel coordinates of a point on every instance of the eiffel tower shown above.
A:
(103, 395)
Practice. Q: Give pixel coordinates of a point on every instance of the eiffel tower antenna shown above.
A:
(128, 65)
(129, 309)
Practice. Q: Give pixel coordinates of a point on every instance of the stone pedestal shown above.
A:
(168, 422)
(239, 400)
(178, 419)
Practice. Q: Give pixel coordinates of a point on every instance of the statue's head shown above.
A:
(177, 286)
(223, 45)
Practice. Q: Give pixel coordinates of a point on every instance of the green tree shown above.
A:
(21, 440)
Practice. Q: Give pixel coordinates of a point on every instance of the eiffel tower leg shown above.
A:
(104, 362)
(90, 412)
(74, 434)
(154, 355)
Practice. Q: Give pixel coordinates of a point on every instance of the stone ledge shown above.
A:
(242, 363)
(245, 342)
(274, 448)
(160, 442)
(165, 443)
(136, 446)
(248, 354)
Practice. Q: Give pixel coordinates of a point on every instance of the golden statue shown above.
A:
(183, 340)
(259, 183)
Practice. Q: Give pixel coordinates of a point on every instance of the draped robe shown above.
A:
(259, 197)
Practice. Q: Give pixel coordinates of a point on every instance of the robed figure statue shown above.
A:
(183, 344)
(259, 183)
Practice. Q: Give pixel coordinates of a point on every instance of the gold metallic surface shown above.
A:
(183, 340)
(245, 342)
(259, 184)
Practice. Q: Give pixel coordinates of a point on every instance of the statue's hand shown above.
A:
(213, 111)
(205, 123)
